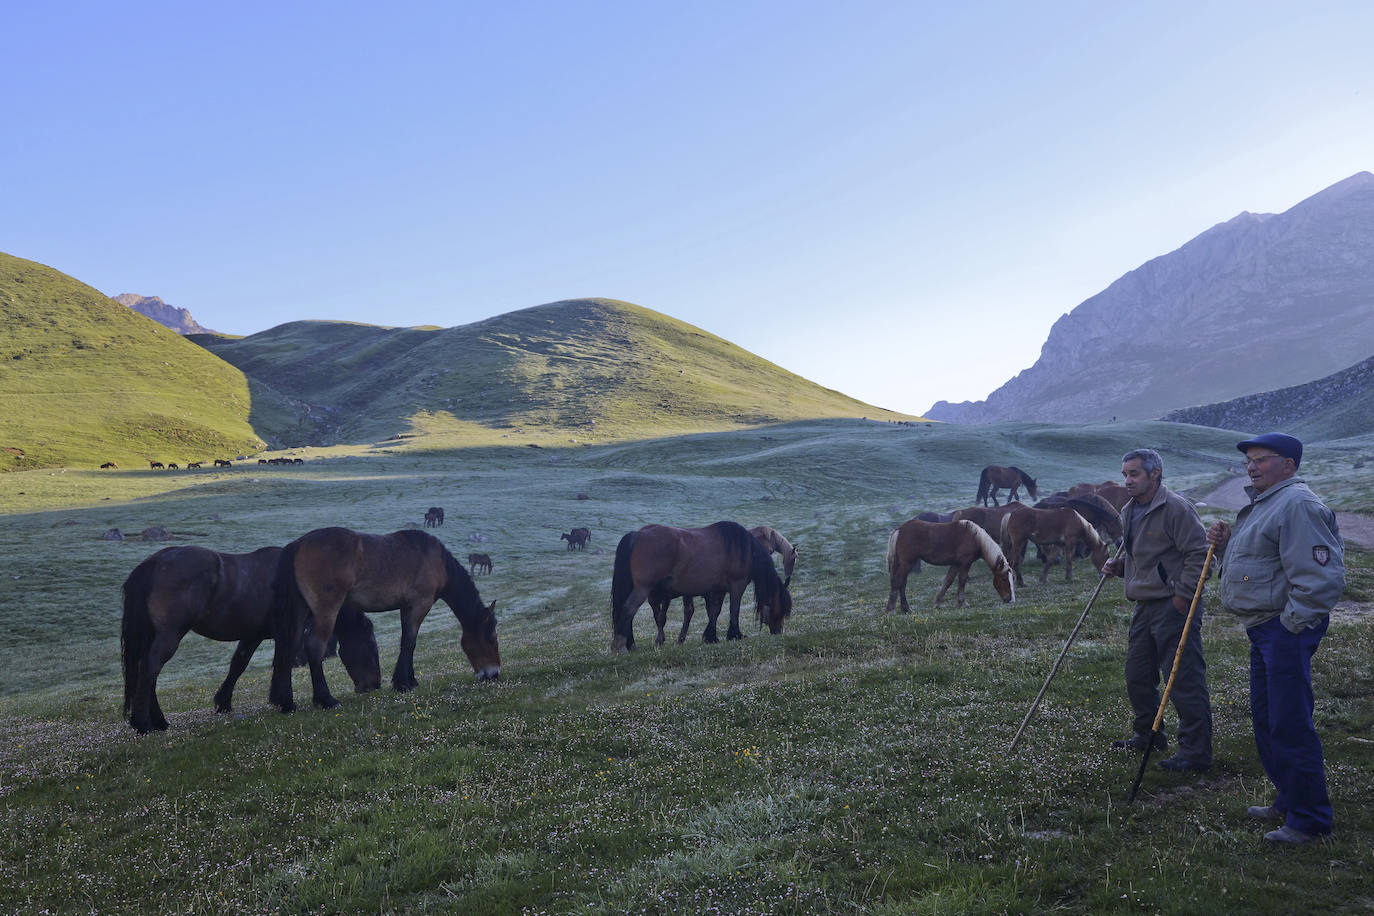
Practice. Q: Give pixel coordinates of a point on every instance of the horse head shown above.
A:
(1002, 579)
(773, 613)
(479, 642)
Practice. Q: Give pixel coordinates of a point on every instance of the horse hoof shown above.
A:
(287, 708)
(326, 703)
(222, 708)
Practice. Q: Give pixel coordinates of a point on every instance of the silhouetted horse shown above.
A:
(479, 562)
(772, 539)
(715, 561)
(109, 464)
(434, 517)
(193, 464)
(156, 466)
(578, 537)
(995, 477)
(223, 463)
(955, 544)
(1047, 527)
(330, 569)
(223, 596)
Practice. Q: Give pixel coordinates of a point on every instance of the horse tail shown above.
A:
(983, 480)
(136, 628)
(622, 580)
(288, 605)
(892, 551)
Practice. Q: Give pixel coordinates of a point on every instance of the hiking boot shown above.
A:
(1290, 836)
(1265, 813)
(1139, 742)
(1178, 764)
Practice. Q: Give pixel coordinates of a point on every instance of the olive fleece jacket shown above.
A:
(1165, 551)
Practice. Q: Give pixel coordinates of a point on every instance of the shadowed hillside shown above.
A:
(590, 368)
(87, 380)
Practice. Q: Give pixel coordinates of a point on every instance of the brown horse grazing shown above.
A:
(1046, 527)
(989, 518)
(715, 561)
(330, 569)
(1101, 514)
(774, 542)
(109, 465)
(1114, 493)
(995, 477)
(156, 466)
(954, 544)
(223, 463)
(578, 537)
(434, 517)
(478, 563)
(223, 596)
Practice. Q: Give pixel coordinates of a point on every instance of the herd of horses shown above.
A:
(317, 590)
(193, 465)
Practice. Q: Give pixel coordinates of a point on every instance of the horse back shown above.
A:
(938, 543)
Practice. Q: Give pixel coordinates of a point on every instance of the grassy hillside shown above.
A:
(855, 764)
(85, 380)
(595, 369)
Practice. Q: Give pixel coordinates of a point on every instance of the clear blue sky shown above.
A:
(894, 199)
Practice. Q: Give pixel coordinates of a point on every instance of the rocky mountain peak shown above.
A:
(178, 319)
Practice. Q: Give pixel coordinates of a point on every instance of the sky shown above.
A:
(896, 200)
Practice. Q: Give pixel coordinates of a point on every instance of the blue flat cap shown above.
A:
(1284, 445)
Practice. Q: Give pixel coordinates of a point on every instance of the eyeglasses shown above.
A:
(1258, 458)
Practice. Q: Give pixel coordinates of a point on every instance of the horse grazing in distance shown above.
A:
(329, 569)
(715, 561)
(155, 466)
(223, 596)
(478, 563)
(109, 465)
(223, 463)
(774, 542)
(956, 544)
(434, 517)
(193, 464)
(995, 477)
(1046, 528)
(989, 518)
(578, 537)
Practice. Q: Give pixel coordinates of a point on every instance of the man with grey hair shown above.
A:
(1161, 559)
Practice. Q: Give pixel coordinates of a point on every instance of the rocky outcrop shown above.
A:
(178, 319)
(1260, 302)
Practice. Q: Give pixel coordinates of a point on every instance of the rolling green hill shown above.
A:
(86, 380)
(596, 369)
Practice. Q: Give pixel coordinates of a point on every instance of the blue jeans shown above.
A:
(1281, 711)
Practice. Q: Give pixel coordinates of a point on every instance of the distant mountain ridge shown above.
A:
(1260, 302)
(178, 319)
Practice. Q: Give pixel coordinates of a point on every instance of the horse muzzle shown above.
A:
(488, 672)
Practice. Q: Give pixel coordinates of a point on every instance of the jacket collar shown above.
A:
(1256, 495)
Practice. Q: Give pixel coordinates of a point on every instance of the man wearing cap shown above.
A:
(1282, 570)
(1161, 560)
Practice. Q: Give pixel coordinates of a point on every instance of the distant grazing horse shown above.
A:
(172, 466)
(1047, 528)
(223, 596)
(989, 518)
(994, 477)
(330, 569)
(223, 463)
(578, 537)
(954, 544)
(192, 464)
(715, 561)
(156, 466)
(773, 540)
(478, 563)
(434, 517)
(109, 464)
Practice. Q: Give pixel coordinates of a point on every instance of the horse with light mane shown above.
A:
(1046, 528)
(772, 539)
(954, 544)
(995, 477)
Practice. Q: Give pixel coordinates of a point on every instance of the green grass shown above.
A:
(87, 380)
(856, 764)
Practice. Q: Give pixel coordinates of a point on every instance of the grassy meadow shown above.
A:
(856, 764)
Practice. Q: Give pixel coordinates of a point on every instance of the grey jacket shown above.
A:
(1165, 551)
(1285, 558)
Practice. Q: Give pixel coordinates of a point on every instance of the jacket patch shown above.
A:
(1322, 554)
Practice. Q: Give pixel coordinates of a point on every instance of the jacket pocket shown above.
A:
(1251, 586)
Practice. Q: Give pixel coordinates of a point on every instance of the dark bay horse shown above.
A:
(995, 477)
(954, 544)
(773, 540)
(715, 561)
(1047, 528)
(332, 569)
(1100, 513)
(223, 596)
(578, 537)
(989, 518)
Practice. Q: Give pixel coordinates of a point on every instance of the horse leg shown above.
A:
(224, 697)
(660, 609)
(736, 598)
(146, 714)
(1045, 568)
(315, 642)
(714, 600)
(689, 608)
(949, 580)
(1070, 548)
(896, 587)
(623, 631)
(403, 677)
(963, 581)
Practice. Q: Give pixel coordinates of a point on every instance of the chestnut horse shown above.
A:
(989, 518)
(773, 540)
(223, 596)
(954, 544)
(1046, 528)
(330, 569)
(1100, 513)
(722, 559)
(994, 477)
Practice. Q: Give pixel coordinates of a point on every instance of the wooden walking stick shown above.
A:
(1169, 685)
(1055, 670)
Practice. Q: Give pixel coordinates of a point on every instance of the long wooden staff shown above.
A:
(1055, 670)
(1169, 686)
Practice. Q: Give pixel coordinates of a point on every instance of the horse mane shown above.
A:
(768, 585)
(460, 593)
(992, 553)
(1089, 532)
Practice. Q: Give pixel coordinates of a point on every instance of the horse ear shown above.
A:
(491, 608)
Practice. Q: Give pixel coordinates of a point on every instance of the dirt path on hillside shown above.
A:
(1355, 529)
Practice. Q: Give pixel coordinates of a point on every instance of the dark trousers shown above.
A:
(1150, 647)
(1281, 710)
